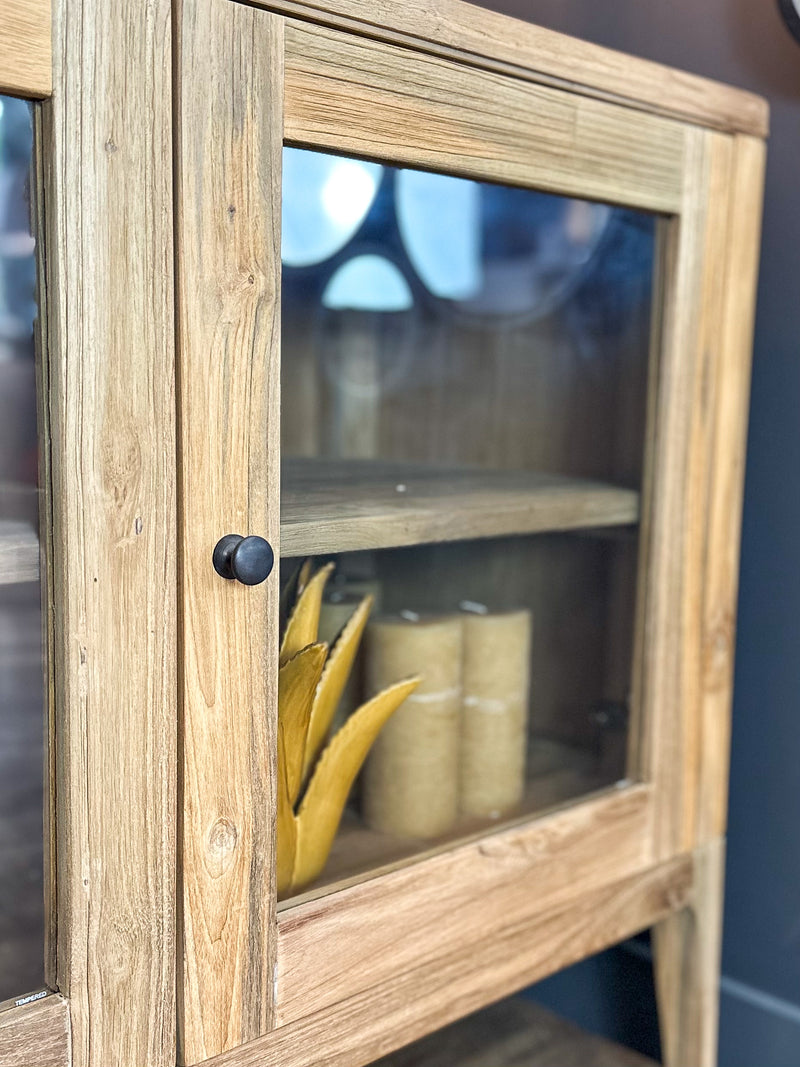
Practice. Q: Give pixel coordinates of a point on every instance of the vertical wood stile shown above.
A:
(229, 137)
(737, 266)
(711, 373)
(108, 315)
(670, 679)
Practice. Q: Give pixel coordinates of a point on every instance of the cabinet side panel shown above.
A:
(737, 264)
(229, 122)
(108, 295)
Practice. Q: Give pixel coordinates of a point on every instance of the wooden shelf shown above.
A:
(512, 1033)
(19, 552)
(558, 774)
(348, 505)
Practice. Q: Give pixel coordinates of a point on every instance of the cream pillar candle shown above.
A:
(497, 647)
(410, 785)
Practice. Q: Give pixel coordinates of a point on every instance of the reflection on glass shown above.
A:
(368, 283)
(325, 200)
(21, 675)
(463, 423)
(440, 220)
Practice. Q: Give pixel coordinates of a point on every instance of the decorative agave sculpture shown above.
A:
(311, 680)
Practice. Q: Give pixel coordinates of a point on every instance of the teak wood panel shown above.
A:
(371, 99)
(707, 335)
(706, 304)
(36, 1034)
(106, 294)
(26, 67)
(229, 120)
(413, 1002)
(673, 579)
(476, 36)
(344, 944)
(738, 268)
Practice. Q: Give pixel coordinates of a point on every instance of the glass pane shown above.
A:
(21, 673)
(464, 379)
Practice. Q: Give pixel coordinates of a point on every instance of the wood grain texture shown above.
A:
(477, 37)
(25, 48)
(19, 552)
(411, 1002)
(687, 947)
(36, 1034)
(372, 99)
(347, 505)
(673, 589)
(358, 939)
(514, 1033)
(699, 319)
(737, 268)
(229, 72)
(105, 152)
(709, 315)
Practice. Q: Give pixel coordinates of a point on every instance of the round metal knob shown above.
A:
(247, 559)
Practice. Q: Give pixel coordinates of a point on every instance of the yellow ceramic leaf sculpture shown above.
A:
(322, 806)
(334, 679)
(298, 679)
(303, 625)
(286, 829)
(309, 689)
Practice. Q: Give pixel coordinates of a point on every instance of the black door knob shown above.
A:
(247, 559)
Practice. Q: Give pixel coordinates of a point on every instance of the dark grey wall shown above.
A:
(745, 43)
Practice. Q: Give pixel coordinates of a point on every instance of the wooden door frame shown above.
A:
(103, 133)
(104, 151)
(339, 953)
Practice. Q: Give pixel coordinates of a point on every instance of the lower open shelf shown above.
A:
(514, 1033)
(557, 774)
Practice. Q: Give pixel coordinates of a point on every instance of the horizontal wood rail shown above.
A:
(486, 39)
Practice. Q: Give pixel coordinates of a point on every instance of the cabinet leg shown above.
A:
(686, 951)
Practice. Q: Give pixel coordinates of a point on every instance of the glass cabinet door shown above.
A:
(430, 362)
(464, 381)
(22, 725)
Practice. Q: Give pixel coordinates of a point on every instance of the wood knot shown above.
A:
(223, 837)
